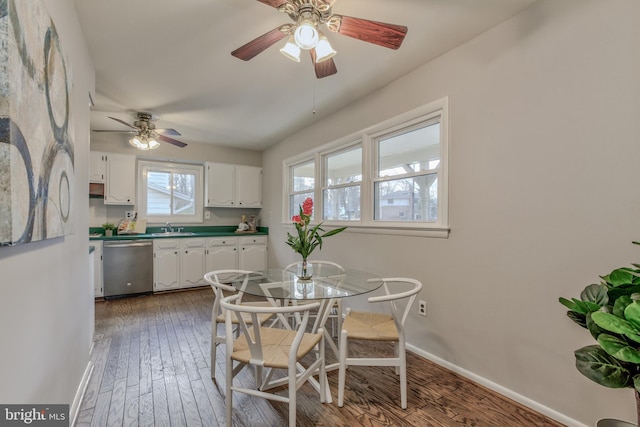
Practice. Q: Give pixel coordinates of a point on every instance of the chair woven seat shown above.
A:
(276, 344)
(363, 325)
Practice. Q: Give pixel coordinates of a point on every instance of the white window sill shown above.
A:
(434, 232)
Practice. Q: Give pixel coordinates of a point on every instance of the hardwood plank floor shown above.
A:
(151, 368)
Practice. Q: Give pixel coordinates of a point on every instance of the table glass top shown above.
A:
(284, 284)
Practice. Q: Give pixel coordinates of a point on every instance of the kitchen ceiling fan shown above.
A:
(145, 132)
(308, 15)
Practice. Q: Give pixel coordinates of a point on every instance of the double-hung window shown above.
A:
(170, 192)
(342, 184)
(301, 184)
(387, 178)
(407, 169)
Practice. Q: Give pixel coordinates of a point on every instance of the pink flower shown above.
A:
(297, 219)
(307, 206)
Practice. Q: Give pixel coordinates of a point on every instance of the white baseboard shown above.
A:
(82, 388)
(536, 406)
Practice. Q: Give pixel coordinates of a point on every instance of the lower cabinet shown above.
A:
(182, 263)
(252, 253)
(192, 262)
(97, 269)
(222, 253)
(178, 263)
(166, 264)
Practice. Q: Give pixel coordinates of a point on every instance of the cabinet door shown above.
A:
(97, 166)
(97, 269)
(120, 185)
(220, 185)
(222, 258)
(166, 269)
(192, 262)
(248, 186)
(253, 257)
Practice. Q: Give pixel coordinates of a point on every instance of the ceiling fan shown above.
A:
(308, 15)
(145, 132)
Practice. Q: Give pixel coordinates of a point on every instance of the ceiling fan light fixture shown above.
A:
(306, 34)
(291, 50)
(144, 143)
(324, 50)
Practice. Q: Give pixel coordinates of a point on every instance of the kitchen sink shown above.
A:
(173, 233)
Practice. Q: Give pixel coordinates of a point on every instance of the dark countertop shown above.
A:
(97, 233)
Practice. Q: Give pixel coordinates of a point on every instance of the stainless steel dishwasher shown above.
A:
(127, 267)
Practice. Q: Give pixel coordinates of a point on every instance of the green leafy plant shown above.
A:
(610, 311)
(108, 226)
(307, 237)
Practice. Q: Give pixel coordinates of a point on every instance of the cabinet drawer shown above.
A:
(193, 243)
(166, 243)
(253, 240)
(222, 241)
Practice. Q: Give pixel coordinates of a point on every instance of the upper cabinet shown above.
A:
(234, 186)
(97, 166)
(120, 180)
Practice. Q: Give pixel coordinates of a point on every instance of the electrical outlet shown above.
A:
(129, 214)
(422, 308)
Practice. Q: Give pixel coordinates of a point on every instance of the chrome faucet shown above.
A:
(168, 228)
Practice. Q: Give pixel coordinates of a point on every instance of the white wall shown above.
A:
(543, 197)
(46, 294)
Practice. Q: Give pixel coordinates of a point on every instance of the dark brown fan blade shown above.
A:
(119, 131)
(167, 131)
(325, 68)
(273, 3)
(171, 141)
(259, 44)
(386, 35)
(122, 121)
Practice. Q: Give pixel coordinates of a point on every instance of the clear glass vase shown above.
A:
(305, 270)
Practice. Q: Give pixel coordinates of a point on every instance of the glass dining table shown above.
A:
(280, 286)
(332, 283)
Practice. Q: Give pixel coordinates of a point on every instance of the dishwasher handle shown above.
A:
(127, 244)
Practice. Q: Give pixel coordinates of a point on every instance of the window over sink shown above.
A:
(170, 192)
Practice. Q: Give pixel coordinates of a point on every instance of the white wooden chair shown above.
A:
(320, 268)
(359, 325)
(219, 281)
(271, 348)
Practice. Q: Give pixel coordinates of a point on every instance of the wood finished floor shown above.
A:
(151, 368)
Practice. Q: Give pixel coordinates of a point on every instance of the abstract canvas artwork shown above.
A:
(36, 127)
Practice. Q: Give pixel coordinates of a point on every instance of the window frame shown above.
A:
(434, 111)
(172, 167)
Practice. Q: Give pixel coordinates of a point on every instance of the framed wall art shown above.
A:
(36, 127)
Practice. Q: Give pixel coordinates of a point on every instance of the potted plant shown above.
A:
(610, 311)
(108, 228)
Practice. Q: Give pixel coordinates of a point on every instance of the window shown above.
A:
(407, 173)
(301, 185)
(391, 177)
(170, 192)
(342, 182)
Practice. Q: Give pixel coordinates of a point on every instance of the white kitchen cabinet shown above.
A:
(166, 264)
(222, 253)
(97, 269)
(234, 186)
(252, 253)
(248, 186)
(192, 262)
(120, 180)
(97, 166)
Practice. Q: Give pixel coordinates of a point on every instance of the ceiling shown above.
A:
(172, 58)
